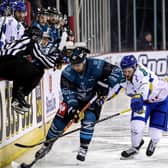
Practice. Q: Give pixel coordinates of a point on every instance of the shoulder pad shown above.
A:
(68, 73)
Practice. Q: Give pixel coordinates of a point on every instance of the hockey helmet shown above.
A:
(19, 6)
(128, 61)
(52, 11)
(42, 11)
(78, 55)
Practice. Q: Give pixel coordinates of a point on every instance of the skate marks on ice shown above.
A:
(104, 152)
(110, 139)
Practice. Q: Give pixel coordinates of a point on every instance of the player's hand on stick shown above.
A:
(137, 104)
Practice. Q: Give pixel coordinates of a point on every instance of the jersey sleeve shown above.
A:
(141, 81)
(113, 92)
(2, 31)
(69, 92)
(10, 32)
(47, 60)
(63, 41)
(112, 74)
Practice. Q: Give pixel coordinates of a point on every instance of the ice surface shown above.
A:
(110, 138)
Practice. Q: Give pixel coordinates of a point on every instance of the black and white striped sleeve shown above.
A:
(13, 49)
(47, 60)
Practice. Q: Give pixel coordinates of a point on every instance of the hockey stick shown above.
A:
(61, 133)
(24, 165)
(75, 130)
(98, 121)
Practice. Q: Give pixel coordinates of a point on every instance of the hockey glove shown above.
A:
(137, 104)
(75, 114)
(58, 61)
(102, 89)
(101, 100)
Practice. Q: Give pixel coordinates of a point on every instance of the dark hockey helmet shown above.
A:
(52, 11)
(78, 55)
(41, 11)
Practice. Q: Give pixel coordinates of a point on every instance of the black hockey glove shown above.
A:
(58, 61)
(74, 114)
(102, 89)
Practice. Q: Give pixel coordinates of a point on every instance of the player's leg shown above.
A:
(138, 122)
(158, 124)
(86, 134)
(58, 124)
(21, 88)
(19, 103)
(155, 135)
(24, 74)
(137, 128)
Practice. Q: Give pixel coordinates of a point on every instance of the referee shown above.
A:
(24, 73)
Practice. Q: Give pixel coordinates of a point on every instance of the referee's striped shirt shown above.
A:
(24, 47)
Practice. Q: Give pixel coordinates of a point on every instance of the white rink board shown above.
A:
(44, 100)
(157, 61)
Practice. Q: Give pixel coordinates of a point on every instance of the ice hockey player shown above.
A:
(45, 43)
(149, 99)
(63, 31)
(53, 19)
(41, 21)
(11, 26)
(80, 81)
(25, 74)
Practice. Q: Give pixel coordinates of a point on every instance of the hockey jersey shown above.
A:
(43, 28)
(146, 83)
(12, 30)
(81, 87)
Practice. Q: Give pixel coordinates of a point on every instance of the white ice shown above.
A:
(110, 139)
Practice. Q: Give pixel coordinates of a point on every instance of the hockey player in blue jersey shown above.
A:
(45, 43)
(80, 81)
(41, 21)
(52, 21)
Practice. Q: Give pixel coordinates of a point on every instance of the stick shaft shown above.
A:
(62, 132)
(75, 130)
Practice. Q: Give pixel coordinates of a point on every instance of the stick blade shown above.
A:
(23, 146)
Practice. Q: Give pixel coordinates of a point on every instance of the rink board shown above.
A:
(157, 61)
(30, 127)
(45, 101)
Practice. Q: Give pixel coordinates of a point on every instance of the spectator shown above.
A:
(146, 43)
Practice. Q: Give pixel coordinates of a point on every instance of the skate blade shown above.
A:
(19, 111)
(79, 163)
(15, 165)
(127, 158)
